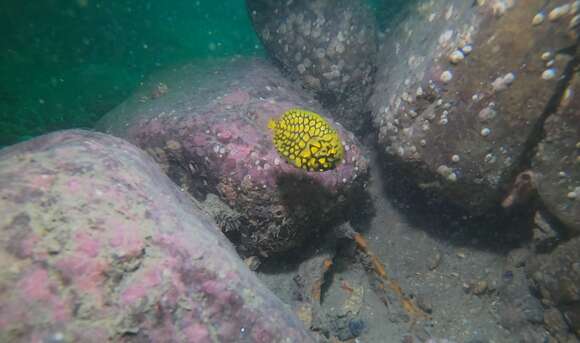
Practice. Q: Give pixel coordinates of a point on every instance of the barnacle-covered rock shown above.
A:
(557, 160)
(328, 45)
(462, 90)
(210, 133)
(98, 245)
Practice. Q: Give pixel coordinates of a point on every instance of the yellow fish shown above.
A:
(307, 140)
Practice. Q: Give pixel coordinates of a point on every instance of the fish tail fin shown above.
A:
(271, 124)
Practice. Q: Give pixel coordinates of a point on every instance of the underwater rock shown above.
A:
(557, 160)
(556, 277)
(98, 245)
(519, 310)
(210, 134)
(545, 236)
(466, 126)
(328, 45)
(311, 277)
(557, 327)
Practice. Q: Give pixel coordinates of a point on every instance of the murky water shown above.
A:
(439, 201)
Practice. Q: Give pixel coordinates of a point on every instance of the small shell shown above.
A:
(487, 114)
(456, 57)
(485, 132)
(452, 177)
(455, 158)
(467, 49)
(502, 82)
(538, 19)
(446, 76)
(549, 74)
(509, 78)
(559, 12)
(490, 158)
(546, 56)
(419, 91)
(444, 170)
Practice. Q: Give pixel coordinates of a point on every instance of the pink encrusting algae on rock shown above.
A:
(36, 285)
(108, 249)
(210, 134)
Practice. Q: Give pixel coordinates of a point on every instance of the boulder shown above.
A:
(97, 245)
(329, 46)
(206, 124)
(463, 88)
(557, 160)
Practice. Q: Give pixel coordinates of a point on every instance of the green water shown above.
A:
(64, 63)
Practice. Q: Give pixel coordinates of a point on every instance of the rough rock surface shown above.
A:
(208, 129)
(97, 245)
(557, 161)
(519, 310)
(463, 87)
(556, 276)
(328, 45)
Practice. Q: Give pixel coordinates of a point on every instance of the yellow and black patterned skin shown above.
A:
(307, 140)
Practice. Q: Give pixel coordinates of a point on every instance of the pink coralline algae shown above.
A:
(220, 143)
(123, 256)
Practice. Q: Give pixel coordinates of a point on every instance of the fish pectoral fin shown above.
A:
(271, 124)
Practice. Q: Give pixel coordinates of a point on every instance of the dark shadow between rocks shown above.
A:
(498, 230)
(307, 200)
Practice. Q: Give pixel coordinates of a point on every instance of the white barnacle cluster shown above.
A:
(459, 54)
(488, 113)
(498, 7)
(219, 150)
(447, 173)
(503, 82)
(548, 59)
(569, 10)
